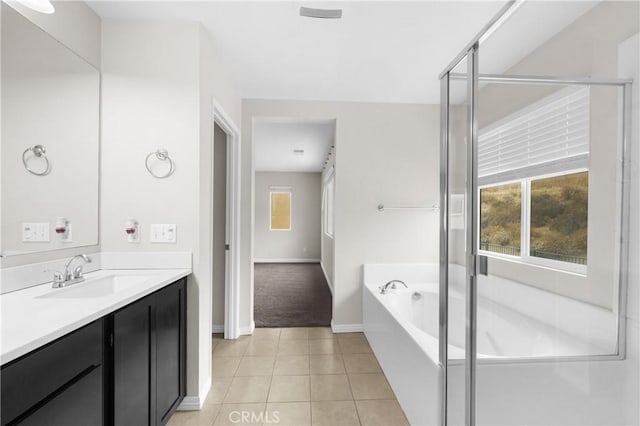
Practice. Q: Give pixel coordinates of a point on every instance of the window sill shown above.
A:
(576, 270)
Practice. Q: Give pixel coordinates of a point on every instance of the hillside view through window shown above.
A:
(557, 220)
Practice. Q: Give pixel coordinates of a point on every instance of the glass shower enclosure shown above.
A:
(536, 193)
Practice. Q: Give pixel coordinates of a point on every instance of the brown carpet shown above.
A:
(291, 295)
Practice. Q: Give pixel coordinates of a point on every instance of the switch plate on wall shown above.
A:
(35, 232)
(162, 233)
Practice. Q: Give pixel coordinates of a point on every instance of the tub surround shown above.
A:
(555, 390)
(34, 316)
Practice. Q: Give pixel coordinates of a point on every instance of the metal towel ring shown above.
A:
(38, 151)
(162, 155)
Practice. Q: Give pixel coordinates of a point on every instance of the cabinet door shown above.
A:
(170, 343)
(78, 404)
(133, 359)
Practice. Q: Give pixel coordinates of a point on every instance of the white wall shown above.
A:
(302, 241)
(76, 26)
(384, 153)
(159, 80)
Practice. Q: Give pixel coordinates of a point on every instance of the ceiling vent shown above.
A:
(298, 152)
(312, 12)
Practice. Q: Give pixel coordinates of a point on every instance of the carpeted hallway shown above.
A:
(291, 295)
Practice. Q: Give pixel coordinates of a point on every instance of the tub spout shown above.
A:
(391, 284)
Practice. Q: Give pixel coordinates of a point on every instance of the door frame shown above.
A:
(232, 232)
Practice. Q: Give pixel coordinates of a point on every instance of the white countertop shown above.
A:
(30, 320)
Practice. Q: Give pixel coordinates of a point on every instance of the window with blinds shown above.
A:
(533, 183)
(549, 136)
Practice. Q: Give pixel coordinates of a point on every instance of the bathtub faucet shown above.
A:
(392, 284)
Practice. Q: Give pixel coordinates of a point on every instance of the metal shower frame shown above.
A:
(470, 53)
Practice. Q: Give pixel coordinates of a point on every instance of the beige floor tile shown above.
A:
(381, 413)
(294, 333)
(334, 413)
(266, 333)
(293, 347)
(330, 387)
(288, 414)
(256, 366)
(354, 343)
(204, 417)
(370, 386)
(248, 389)
(219, 388)
(289, 389)
(178, 418)
(291, 365)
(320, 333)
(361, 363)
(326, 364)
(231, 348)
(240, 414)
(224, 366)
(324, 346)
(262, 347)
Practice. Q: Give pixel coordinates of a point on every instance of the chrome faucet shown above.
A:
(392, 284)
(68, 277)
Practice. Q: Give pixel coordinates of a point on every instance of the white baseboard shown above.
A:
(346, 328)
(286, 260)
(195, 403)
(217, 328)
(326, 277)
(190, 403)
(247, 331)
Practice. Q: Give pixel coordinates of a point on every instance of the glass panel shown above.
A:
(559, 212)
(500, 219)
(547, 318)
(457, 245)
(281, 210)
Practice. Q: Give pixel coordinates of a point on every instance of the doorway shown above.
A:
(292, 156)
(224, 243)
(220, 234)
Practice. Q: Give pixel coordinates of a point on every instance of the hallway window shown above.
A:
(328, 206)
(280, 210)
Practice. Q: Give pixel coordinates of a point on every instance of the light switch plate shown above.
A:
(34, 232)
(162, 233)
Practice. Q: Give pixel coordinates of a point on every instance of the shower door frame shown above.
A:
(471, 53)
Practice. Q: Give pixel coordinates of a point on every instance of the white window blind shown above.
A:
(551, 134)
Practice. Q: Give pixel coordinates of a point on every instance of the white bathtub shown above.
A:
(519, 378)
(502, 332)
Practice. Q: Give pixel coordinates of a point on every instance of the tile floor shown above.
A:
(295, 377)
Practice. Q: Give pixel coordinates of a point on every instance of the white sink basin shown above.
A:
(97, 287)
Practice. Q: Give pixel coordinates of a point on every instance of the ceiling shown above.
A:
(275, 140)
(380, 51)
(383, 51)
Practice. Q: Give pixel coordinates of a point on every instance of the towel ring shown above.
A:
(162, 155)
(37, 151)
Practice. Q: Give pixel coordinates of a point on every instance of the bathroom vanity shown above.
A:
(120, 360)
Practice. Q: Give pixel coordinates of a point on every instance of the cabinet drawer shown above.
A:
(80, 404)
(30, 379)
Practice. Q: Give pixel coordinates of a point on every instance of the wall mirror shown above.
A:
(49, 150)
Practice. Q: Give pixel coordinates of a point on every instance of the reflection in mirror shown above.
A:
(50, 142)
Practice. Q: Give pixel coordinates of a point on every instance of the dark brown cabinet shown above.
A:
(148, 350)
(127, 368)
